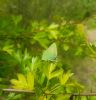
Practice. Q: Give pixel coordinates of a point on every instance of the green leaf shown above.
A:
(8, 49)
(50, 54)
(53, 26)
(56, 73)
(16, 19)
(49, 69)
(51, 72)
(33, 63)
(65, 77)
(66, 47)
(78, 51)
(54, 34)
(30, 81)
(75, 85)
(23, 82)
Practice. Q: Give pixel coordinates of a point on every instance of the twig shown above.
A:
(84, 94)
(17, 91)
(28, 91)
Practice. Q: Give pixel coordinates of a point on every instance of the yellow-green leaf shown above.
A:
(30, 81)
(24, 82)
(65, 77)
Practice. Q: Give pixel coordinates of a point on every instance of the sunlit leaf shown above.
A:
(55, 73)
(51, 72)
(34, 63)
(30, 81)
(53, 34)
(53, 26)
(65, 77)
(23, 82)
(66, 47)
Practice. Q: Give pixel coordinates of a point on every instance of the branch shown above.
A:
(32, 92)
(17, 91)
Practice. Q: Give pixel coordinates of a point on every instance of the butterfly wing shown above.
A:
(50, 54)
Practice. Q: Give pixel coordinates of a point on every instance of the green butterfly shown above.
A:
(50, 54)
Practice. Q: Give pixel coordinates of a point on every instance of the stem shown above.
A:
(28, 91)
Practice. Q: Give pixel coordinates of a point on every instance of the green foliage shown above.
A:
(16, 41)
(50, 9)
(48, 73)
(45, 79)
(13, 96)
